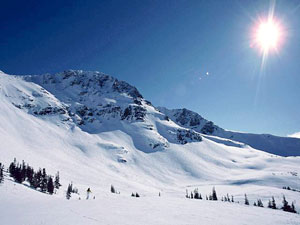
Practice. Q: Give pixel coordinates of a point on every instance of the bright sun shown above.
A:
(268, 35)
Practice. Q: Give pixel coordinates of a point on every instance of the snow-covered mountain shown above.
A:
(284, 146)
(98, 131)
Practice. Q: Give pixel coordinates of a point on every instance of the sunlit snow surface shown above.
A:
(89, 156)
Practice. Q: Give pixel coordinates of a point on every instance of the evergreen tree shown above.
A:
(18, 175)
(137, 195)
(285, 204)
(1, 173)
(286, 207)
(132, 195)
(273, 203)
(112, 189)
(37, 179)
(293, 208)
(259, 203)
(254, 204)
(200, 197)
(29, 175)
(214, 194)
(57, 182)
(232, 200)
(69, 191)
(12, 168)
(270, 204)
(246, 200)
(196, 194)
(44, 181)
(50, 186)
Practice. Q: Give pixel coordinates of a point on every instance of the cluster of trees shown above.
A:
(226, 198)
(196, 195)
(213, 196)
(1, 173)
(272, 204)
(286, 207)
(290, 189)
(71, 190)
(135, 195)
(38, 180)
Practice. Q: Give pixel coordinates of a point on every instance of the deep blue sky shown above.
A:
(163, 48)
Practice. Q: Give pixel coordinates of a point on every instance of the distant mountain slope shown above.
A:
(284, 146)
(98, 131)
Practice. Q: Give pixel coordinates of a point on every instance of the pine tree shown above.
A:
(137, 195)
(270, 204)
(232, 200)
(69, 191)
(285, 203)
(37, 179)
(259, 203)
(196, 194)
(57, 182)
(1, 173)
(29, 175)
(246, 200)
(286, 207)
(273, 203)
(254, 204)
(112, 189)
(132, 195)
(200, 197)
(18, 174)
(12, 168)
(50, 186)
(44, 181)
(293, 208)
(214, 194)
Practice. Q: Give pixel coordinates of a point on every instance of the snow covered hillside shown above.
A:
(284, 146)
(97, 131)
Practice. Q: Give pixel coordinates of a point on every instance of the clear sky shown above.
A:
(192, 54)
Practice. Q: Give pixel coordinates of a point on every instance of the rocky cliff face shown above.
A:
(283, 146)
(96, 102)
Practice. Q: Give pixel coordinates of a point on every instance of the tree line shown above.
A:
(37, 179)
(271, 204)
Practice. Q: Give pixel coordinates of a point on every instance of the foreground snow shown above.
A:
(20, 205)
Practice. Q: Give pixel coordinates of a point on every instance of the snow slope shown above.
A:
(111, 135)
(36, 208)
(284, 146)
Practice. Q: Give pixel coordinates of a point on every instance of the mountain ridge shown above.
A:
(97, 102)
